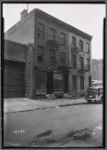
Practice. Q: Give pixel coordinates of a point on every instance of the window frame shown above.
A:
(81, 45)
(81, 59)
(88, 48)
(81, 83)
(63, 38)
(73, 43)
(52, 57)
(54, 35)
(40, 55)
(41, 31)
(74, 61)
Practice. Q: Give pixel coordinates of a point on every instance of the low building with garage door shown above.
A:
(16, 72)
(48, 68)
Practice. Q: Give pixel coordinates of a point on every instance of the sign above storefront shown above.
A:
(57, 76)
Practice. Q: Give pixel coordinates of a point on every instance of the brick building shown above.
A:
(97, 69)
(46, 43)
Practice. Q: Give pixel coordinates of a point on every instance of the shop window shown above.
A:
(52, 33)
(81, 45)
(40, 57)
(74, 62)
(81, 83)
(74, 82)
(40, 30)
(52, 56)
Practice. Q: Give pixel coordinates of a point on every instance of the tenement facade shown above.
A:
(57, 55)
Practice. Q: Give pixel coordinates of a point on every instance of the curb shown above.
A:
(58, 106)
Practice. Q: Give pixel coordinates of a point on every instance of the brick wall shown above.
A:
(14, 51)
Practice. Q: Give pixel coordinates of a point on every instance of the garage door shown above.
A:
(14, 79)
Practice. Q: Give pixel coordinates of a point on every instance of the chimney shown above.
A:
(23, 14)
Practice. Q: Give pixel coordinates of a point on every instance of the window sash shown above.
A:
(41, 30)
(73, 41)
(81, 45)
(81, 83)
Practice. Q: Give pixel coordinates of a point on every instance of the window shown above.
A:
(64, 57)
(73, 41)
(81, 45)
(63, 38)
(52, 33)
(52, 55)
(88, 63)
(40, 57)
(81, 83)
(87, 47)
(40, 30)
(74, 82)
(74, 62)
(81, 62)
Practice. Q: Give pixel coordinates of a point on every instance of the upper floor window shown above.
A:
(74, 82)
(63, 57)
(81, 62)
(81, 45)
(52, 56)
(88, 63)
(87, 48)
(74, 62)
(40, 30)
(52, 33)
(63, 38)
(81, 83)
(73, 41)
(40, 56)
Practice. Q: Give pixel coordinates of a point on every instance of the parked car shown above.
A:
(95, 94)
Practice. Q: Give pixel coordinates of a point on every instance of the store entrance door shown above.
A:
(49, 82)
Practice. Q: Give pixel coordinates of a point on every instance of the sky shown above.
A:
(86, 17)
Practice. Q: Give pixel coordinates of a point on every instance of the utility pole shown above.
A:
(27, 7)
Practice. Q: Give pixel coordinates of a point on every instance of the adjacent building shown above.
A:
(97, 69)
(45, 48)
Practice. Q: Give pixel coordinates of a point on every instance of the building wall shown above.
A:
(75, 71)
(23, 31)
(97, 69)
(26, 31)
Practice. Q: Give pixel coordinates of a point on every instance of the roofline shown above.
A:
(68, 26)
(14, 42)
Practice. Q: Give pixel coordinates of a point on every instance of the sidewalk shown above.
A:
(13, 105)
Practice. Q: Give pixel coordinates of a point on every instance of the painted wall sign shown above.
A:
(57, 76)
(40, 92)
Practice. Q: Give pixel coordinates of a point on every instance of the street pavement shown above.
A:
(72, 126)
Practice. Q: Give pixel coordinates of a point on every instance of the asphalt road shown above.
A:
(73, 126)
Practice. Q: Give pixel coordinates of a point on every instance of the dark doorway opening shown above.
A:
(65, 76)
(49, 82)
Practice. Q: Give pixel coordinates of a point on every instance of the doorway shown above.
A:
(49, 82)
(65, 76)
